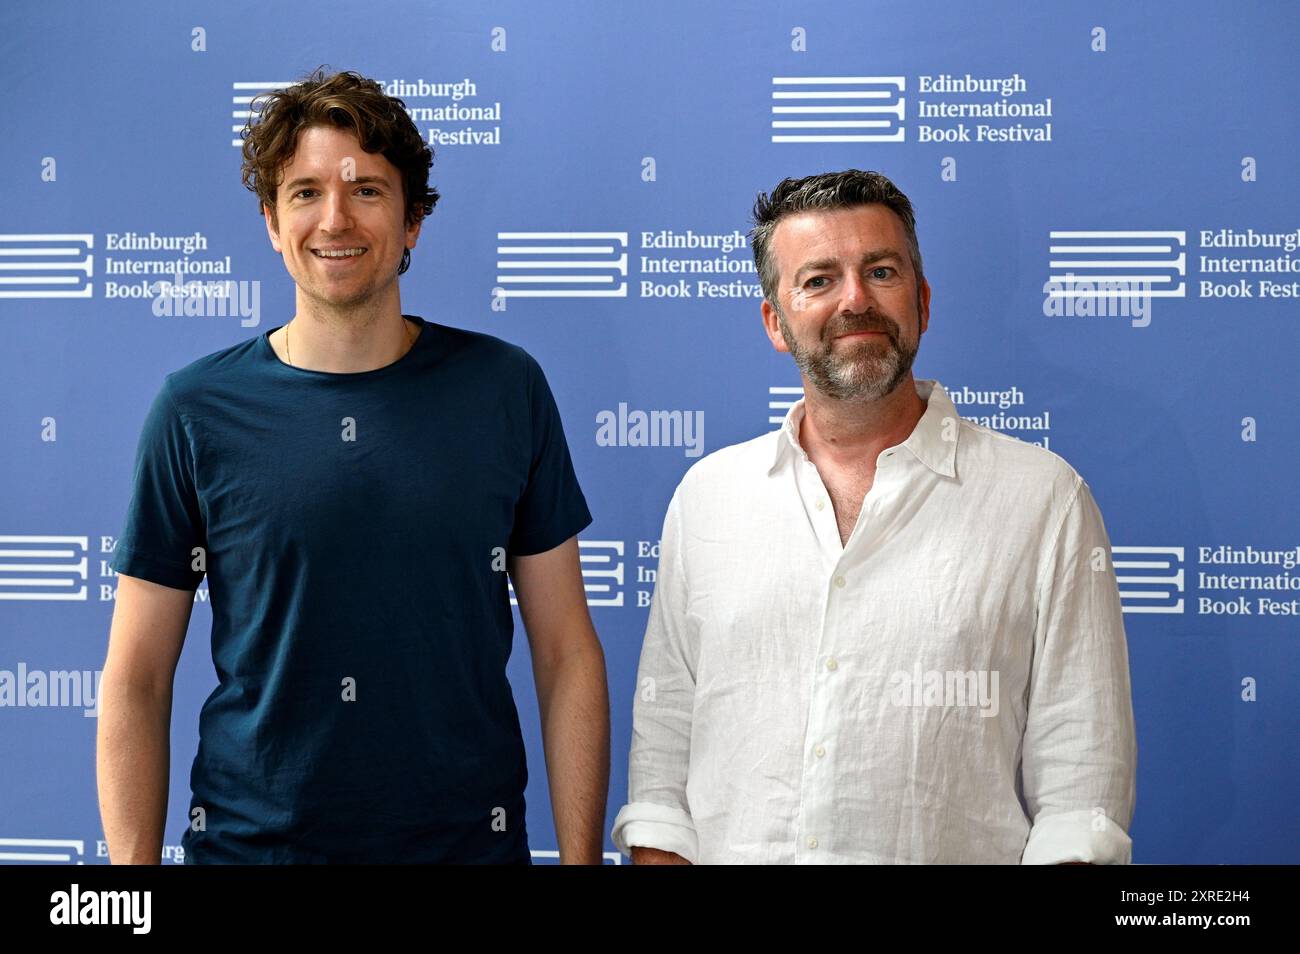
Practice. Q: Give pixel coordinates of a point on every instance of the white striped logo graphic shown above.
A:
(43, 567)
(779, 402)
(46, 265)
(244, 107)
(602, 572)
(1099, 264)
(838, 108)
(543, 857)
(50, 851)
(1150, 578)
(561, 265)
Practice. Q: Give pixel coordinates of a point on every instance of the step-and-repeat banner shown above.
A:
(1107, 207)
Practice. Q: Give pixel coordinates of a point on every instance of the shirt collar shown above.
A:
(933, 441)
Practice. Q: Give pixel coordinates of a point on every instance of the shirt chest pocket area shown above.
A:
(757, 622)
(969, 616)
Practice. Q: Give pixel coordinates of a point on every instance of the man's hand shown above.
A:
(654, 856)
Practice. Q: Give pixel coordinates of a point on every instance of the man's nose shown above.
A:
(337, 216)
(856, 294)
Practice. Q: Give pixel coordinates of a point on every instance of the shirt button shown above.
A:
(812, 842)
(832, 665)
(839, 581)
(821, 504)
(820, 750)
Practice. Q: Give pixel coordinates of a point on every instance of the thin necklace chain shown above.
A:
(289, 357)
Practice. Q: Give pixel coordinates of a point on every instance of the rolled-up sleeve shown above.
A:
(1079, 757)
(657, 814)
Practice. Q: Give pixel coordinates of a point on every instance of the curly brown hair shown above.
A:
(346, 100)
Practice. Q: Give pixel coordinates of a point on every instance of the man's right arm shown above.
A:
(655, 827)
(133, 752)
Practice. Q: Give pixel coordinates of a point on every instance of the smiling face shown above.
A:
(851, 313)
(341, 221)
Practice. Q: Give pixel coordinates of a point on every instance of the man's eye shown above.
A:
(815, 278)
(368, 189)
(299, 193)
(881, 268)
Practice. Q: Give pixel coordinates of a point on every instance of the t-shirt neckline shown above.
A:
(269, 352)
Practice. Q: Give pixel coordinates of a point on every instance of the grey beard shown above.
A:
(856, 378)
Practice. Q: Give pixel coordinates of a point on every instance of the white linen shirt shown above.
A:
(800, 700)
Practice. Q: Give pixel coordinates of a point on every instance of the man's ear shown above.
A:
(772, 325)
(924, 301)
(413, 231)
(270, 228)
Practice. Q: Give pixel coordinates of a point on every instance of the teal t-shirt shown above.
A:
(352, 528)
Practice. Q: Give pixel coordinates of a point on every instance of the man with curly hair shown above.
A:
(355, 485)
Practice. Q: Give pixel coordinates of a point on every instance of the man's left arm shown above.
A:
(1080, 751)
(572, 695)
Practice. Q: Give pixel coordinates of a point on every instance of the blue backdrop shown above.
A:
(1153, 144)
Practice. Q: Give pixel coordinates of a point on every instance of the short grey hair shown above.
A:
(823, 193)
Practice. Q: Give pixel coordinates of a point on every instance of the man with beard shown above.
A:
(880, 634)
